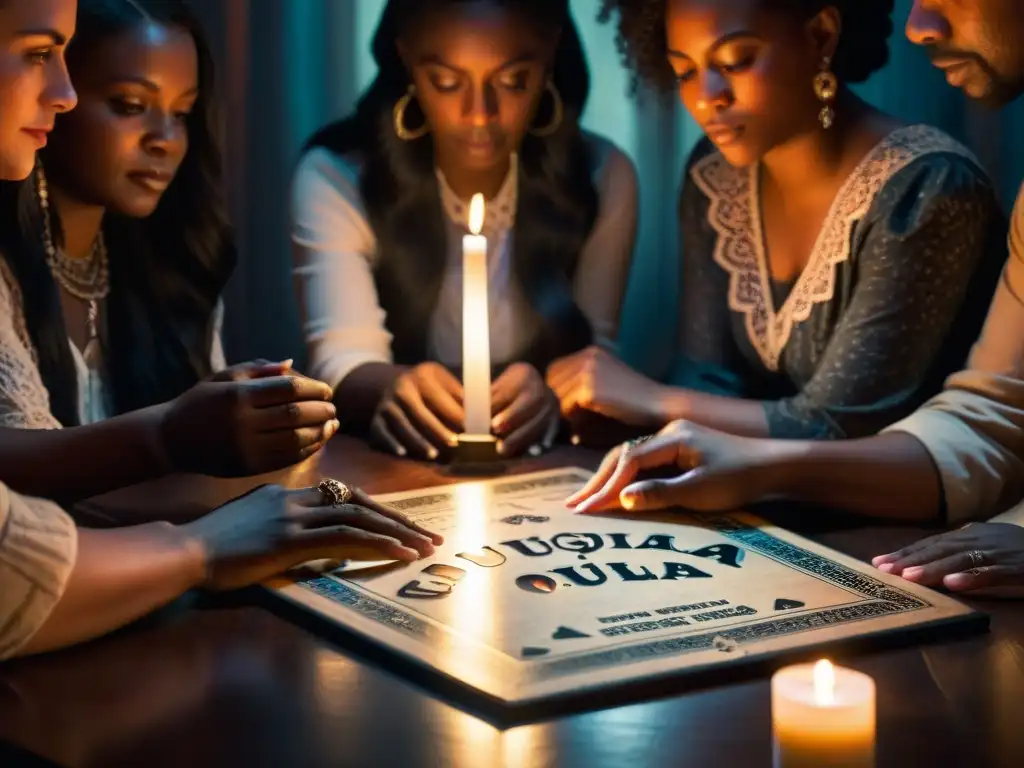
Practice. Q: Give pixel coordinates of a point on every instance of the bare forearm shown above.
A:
(359, 393)
(726, 414)
(80, 462)
(118, 577)
(887, 476)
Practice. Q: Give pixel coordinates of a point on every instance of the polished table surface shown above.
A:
(232, 683)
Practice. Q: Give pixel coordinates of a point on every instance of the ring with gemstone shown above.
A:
(334, 492)
(976, 557)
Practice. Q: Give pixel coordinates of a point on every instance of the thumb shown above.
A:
(656, 494)
(682, 491)
(261, 369)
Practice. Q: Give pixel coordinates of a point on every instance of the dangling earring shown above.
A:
(826, 88)
(399, 112)
(557, 114)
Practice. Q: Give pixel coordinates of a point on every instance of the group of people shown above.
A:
(838, 268)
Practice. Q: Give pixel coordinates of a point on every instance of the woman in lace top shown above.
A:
(837, 264)
(114, 256)
(471, 97)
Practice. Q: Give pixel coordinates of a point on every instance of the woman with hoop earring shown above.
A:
(477, 96)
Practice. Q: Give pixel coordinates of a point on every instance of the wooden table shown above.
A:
(234, 684)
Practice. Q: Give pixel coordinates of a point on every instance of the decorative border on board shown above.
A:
(514, 486)
(883, 600)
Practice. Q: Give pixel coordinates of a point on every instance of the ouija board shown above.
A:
(528, 602)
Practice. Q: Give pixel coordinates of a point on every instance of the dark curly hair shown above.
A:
(863, 44)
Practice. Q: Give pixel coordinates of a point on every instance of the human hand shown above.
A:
(977, 556)
(720, 472)
(525, 410)
(247, 427)
(419, 414)
(272, 529)
(595, 380)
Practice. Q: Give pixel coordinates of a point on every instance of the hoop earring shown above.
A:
(826, 88)
(399, 112)
(558, 114)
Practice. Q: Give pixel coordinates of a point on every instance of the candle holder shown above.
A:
(475, 456)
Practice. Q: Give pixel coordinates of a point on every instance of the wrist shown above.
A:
(780, 469)
(672, 404)
(193, 552)
(155, 439)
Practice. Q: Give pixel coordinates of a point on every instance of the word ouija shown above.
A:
(444, 577)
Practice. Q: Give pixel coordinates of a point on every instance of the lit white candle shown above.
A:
(823, 717)
(476, 334)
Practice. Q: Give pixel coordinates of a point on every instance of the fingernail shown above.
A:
(628, 501)
(575, 440)
(400, 451)
(497, 425)
(879, 560)
(912, 573)
(286, 364)
(453, 441)
(432, 454)
(331, 428)
(886, 567)
(535, 451)
(501, 447)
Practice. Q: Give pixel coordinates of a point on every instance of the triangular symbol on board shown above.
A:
(567, 633)
(531, 651)
(785, 605)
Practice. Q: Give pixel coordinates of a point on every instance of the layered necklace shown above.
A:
(86, 279)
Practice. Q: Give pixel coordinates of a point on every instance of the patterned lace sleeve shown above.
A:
(927, 259)
(24, 401)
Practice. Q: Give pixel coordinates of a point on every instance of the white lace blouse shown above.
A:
(335, 254)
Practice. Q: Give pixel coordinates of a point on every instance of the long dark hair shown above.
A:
(167, 272)
(558, 201)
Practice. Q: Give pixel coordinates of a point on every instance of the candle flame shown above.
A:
(824, 683)
(476, 214)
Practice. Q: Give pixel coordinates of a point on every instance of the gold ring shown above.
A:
(334, 492)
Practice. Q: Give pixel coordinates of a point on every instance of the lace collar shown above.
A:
(500, 214)
(735, 215)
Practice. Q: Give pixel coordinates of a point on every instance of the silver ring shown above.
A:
(334, 492)
(977, 558)
(631, 444)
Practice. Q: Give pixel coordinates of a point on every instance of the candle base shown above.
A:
(476, 455)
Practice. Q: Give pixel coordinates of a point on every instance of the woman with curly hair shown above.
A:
(471, 96)
(837, 263)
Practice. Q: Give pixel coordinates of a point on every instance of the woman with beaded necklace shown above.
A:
(471, 96)
(60, 585)
(119, 246)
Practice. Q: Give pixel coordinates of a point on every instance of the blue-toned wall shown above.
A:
(306, 61)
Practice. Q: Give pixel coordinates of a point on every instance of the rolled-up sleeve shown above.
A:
(916, 260)
(974, 430)
(38, 546)
(333, 249)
